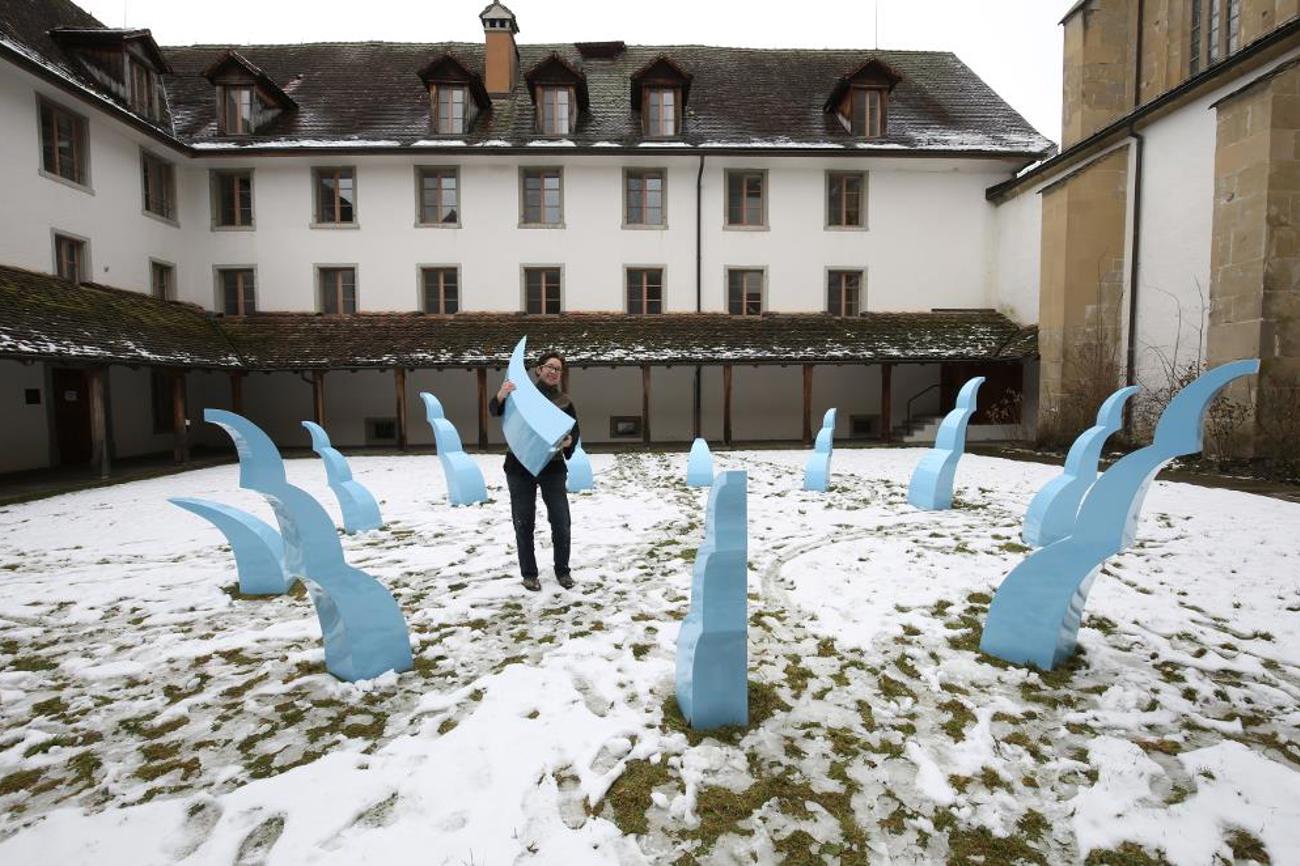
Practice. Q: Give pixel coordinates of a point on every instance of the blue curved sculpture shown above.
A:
(712, 650)
(1034, 617)
(931, 486)
(817, 471)
(699, 465)
(1050, 516)
(363, 628)
(580, 475)
(464, 479)
(360, 510)
(533, 426)
(258, 549)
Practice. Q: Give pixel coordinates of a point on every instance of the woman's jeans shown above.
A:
(523, 510)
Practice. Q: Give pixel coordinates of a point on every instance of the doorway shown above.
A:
(72, 438)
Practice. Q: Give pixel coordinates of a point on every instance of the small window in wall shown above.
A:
(162, 280)
(744, 292)
(863, 426)
(338, 290)
(441, 290)
(844, 293)
(448, 108)
(70, 258)
(32, 396)
(335, 196)
(643, 197)
(232, 199)
(541, 291)
(381, 431)
(238, 104)
(624, 426)
(159, 185)
(645, 290)
(660, 112)
(543, 203)
(237, 291)
(555, 114)
(746, 199)
(439, 196)
(846, 199)
(63, 143)
(867, 112)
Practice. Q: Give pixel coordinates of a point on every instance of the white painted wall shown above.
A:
(25, 433)
(1017, 256)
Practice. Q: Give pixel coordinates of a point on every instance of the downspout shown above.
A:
(699, 305)
(1130, 377)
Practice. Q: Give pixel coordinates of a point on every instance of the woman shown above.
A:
(551, 480)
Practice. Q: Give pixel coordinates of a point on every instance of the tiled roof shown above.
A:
(371, 94)
(42, 316)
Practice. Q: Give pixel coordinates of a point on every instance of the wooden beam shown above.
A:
(318, 396)
(237, 392)
(98, 421)
(180, 435)
(481, 375)
(399, 382)
(886, 402)
(645, 404)
(807, 403)
(726, 404)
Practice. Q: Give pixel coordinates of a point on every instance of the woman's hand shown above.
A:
(568, 440)
(506, 387)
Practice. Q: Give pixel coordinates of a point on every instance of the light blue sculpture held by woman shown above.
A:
(363, 629)
(580, 476)
(360, 510)
(1050, 516)
(465, 484)
(533, 426)
(258, 548)
(699, 465)
(1035, 614)
(817, 471)
(931, 485)
(712, 647)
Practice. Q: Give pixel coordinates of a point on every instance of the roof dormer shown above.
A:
(126, 62)
(456, 95)
(559, 93)
(860, 98)
(659, 92)
(247, 98)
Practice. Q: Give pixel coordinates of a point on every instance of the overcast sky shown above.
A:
(1014, 45)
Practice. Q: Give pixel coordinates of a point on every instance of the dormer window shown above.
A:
(660, 112)
(143, 92)
(247, 99)
(456, 95)
(659, 92)
(555, 113)
(860, 99)
(124, 62)
(448, 109)
(237, 115)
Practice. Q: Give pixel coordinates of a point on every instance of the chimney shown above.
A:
(501, 61)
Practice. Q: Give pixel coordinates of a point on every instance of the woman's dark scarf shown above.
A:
(554, 394)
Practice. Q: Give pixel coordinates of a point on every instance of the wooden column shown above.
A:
(807, 403)
(645, 404)
(481, 375)
(237, 392)
(399, 382)
(180, 435)
(98, 422)
(697, 399)
(726, 404)
(318, 396)
(886, 402)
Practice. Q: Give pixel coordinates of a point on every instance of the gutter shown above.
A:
(1139, 145)
(697, 408)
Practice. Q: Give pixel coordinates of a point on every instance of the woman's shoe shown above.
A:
(534, 585)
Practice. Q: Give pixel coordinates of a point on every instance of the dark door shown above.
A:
(72, 416)
(1001, 389)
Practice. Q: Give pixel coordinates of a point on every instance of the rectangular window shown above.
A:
(338, 290)
(1194, 47)
(335, 196)
(162, 280)
(867, 113)
(232, 197)
(542, 201)
(1216, 29)
(660, 112)
(237, 295)
(63, 143)
(746, 204)
(70, 258)
(441, 290)
(644, 197)
(744, 292)
(645, 291)
(448, 109)
(143, 97)
(844, 293)
(846, 199)
(237, 104)
(555, 110)
(159, 185)
(439, 196)
(541, 291)
(1234, 25)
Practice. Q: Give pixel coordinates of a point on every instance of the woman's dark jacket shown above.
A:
(497, 408)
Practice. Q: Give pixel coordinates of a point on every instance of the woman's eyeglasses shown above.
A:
(554, 368)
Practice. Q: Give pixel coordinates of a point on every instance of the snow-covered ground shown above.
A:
(147, 716)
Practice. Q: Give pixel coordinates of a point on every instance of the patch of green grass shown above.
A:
(32, 663)
(187, 768)
(1032, 824)
(372, 730)
(1021, 739)
(1246, 847)
(959, 716)
(235, 657)
(796, 676)
(52, 707)
(18, 781)
(979, 846)
(83, 766)
(904, 664)
(1013, 547)
(629, 796)
(893, 689)
(640, 649)
(241, 689)
(1127, 854)
(764, 703)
